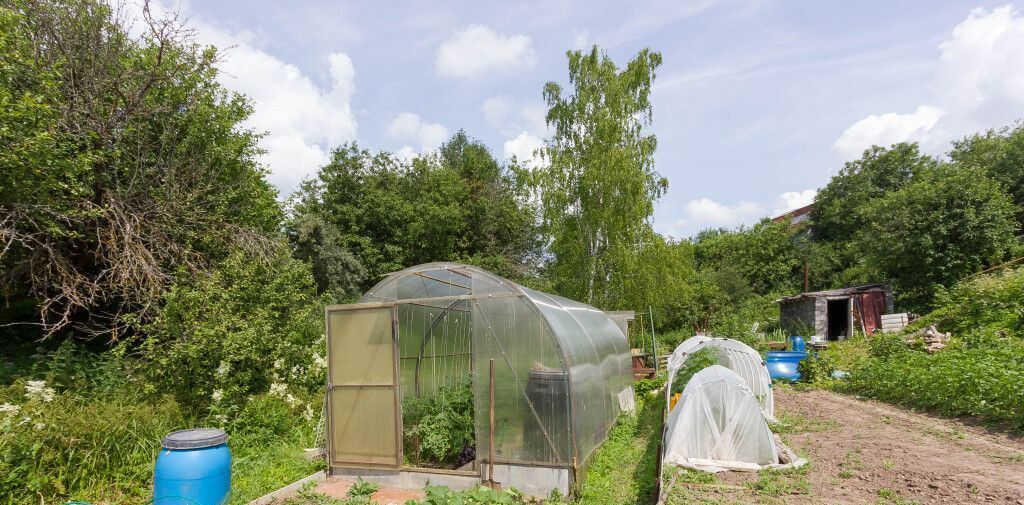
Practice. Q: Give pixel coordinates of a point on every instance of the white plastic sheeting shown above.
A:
(717, 425)
(735, 355)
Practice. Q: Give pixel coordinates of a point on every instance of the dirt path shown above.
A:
(860, 448)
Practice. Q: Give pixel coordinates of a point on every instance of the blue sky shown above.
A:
(757, 104)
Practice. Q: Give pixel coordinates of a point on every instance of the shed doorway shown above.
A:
(838, 319)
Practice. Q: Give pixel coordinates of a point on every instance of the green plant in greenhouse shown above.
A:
(439, 426)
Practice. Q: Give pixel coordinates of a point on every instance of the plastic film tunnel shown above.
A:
(562, 370)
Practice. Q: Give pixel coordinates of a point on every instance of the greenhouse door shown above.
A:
(364, 428)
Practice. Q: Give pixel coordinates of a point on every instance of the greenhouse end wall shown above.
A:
(561, 368)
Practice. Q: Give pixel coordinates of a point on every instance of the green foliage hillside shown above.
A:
(980, 371)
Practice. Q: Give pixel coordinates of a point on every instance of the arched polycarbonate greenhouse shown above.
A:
(561, 375)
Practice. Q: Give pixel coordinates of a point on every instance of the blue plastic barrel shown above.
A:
(193, 468)
(783, 364)
(798, 343)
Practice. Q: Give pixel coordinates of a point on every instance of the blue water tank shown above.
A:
(798, 344)
(783, 364)
(193, 468)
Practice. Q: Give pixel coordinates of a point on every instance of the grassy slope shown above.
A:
(623, 470)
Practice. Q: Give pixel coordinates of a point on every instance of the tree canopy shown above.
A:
(365, 215)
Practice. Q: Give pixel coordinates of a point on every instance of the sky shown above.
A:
(757, 103)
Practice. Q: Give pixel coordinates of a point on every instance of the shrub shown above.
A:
(694, 363)
(266, 419)
(981, 382)
(816, 369)
(237, 332)
(438, 427)
(645, 386)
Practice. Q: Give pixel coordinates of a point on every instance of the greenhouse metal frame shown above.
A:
(561, 375)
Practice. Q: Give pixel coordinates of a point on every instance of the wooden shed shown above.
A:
(836, 314)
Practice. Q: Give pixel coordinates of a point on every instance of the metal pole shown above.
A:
(490, 443)
(654, 341)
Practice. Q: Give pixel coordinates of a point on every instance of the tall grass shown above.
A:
(79, 447)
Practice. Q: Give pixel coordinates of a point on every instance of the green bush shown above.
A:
(644, 386)
(265, 419)
(694, 363)
(980, 382)
(980, 370)
(440, 425)
(816, 370)
(248, 326)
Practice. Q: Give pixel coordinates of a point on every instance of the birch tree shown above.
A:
(598, 185)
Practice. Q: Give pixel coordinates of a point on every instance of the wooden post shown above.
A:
(490, 433)
(654, 340)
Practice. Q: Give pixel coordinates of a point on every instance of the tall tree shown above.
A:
(124, 163)
(366, 215)
(599, 184)
(948, 223)
(1000, 154)
(839, 206)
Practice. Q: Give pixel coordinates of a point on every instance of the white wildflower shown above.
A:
(319, 361)
(279, 364)
(224, 368)
(38, 390)
(221, 419)
(7, 408)
(308, 413)
(217, 395)
(278, 389)
(40, 426)
(291, 400)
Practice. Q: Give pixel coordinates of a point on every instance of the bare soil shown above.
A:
(337, 488)
(864, 451)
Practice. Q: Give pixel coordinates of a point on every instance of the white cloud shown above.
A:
(710, 213)
(524, 147)
(523, 124)
(303, 120)
(979, 84)
(791, 200)
(580, 40)
(706, 213)
(406, 153)
(477, 50)
(887, 129)
(409, 126)
(510, 117)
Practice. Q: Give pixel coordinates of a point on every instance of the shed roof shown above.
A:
(881, 286)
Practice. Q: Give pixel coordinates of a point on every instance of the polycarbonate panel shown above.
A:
(530, 384)
(598, 360)
(362, 392)
(363, 426)
(434, 345)
(522, 330)
(361, 346)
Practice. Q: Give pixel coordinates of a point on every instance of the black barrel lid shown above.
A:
(196, 438)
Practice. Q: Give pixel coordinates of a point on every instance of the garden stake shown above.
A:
(490, 442)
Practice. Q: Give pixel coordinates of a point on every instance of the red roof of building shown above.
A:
(795, 215)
